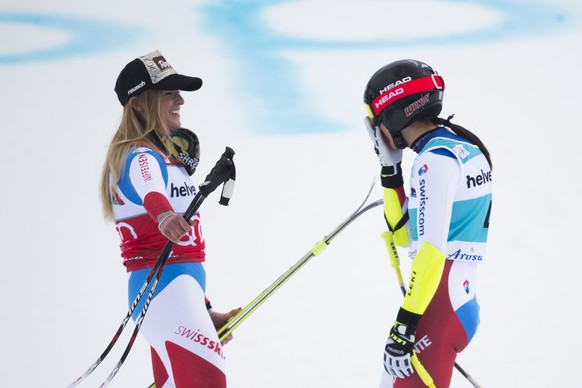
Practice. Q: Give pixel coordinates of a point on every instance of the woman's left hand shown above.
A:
(220, 319)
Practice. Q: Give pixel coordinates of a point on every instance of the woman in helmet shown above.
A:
(444, 221)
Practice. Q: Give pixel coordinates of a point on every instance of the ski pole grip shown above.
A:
(219, 173)
(228, 187)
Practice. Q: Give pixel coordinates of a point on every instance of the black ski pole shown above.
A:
(220, 173)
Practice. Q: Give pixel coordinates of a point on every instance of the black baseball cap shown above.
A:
(151, 71)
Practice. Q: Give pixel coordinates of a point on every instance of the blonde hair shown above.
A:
(148, 128)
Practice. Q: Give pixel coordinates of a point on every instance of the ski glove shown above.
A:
(398, 350)
(386, 155)
(400, 345)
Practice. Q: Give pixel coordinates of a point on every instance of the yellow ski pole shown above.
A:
(319, 247)
(394, 258)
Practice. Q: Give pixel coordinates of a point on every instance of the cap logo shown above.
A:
(162, 63)
(157, 66)
(135, 88)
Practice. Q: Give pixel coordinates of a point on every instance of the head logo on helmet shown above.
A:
(401, 93)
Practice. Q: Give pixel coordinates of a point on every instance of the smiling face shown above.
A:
(170, 107)
(158, 109)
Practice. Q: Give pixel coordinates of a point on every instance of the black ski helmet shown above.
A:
(401, 93)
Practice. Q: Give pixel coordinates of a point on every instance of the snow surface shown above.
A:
(283, 87)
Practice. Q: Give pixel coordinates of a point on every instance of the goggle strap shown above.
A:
(425, 84)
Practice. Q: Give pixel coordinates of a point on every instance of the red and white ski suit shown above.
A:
(186, 351)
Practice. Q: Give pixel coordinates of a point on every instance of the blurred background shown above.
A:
(283, 86)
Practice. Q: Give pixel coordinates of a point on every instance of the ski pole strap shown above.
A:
(399, 224)
(396, 214)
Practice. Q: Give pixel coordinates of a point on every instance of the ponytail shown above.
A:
(465, 133)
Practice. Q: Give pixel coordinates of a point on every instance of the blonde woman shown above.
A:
(144, 190)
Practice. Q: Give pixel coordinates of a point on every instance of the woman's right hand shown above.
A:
(387, 155)
(173, 226)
